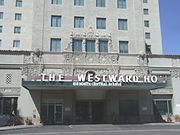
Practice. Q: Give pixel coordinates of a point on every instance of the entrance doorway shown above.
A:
(52, 113)
(89, 111)
(128, 111)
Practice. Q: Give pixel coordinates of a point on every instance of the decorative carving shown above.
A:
(142, 70)
(91, 58)
(33, 64)
(103, 59)
(175, 62)
(175, 73)
(68, 58)
(78, 71)
(68, 71)
(90, 34)
(114, 59)
(10, 91)
(143, 59)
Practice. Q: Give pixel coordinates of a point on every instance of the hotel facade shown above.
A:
(86, 61)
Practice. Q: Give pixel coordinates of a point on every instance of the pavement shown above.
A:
(18, 127)
(96, 129)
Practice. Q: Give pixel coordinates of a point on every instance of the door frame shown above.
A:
(54, 108)
(55, 105)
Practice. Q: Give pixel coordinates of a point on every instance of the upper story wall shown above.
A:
(135, 34)
(9, 22)
(36, 30)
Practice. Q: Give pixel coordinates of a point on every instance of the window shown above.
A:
(17, 29)
(103, 46)
(79, 2)
(1, 2)
(121, 4)
(16, 44)
(148, 49)
(55, 45)
(18, 3)
(1, 29)
(101, 23)
(55, 21)
(1, 15)
(146, 11)
(147, 35)
(146, 23)
(7, 105)
(123, 46)
(90, 46)
(77, 45)
(163, 107)
(122, 24)
(145, 1)
(8, 78)
(78, 22)
(100, 3)
(56, 2)
(18, 16)
(0, 42)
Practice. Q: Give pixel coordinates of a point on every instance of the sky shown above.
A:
(170, 26)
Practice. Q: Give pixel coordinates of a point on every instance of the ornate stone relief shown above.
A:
(175, 62)
(175, 73)
(90, 34)
(68, 58)
(142, 60)
(68, 71)
(78, 71)
(33, 64)
(10, 91)
(141, 70)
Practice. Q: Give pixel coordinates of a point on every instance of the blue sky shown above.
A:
(170, 25)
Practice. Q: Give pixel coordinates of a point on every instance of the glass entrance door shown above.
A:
(89, 111)
(52, 113)
(58, 113)
(128, 111)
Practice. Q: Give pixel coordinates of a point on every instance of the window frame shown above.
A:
(0, 42)
(16, 43)
(77, 47)
(145, 1)
(55, 48)
(78, 22)
(57, 22)
(122, 4)
(17, 29)
(1, 2)
(78, 2)
(56, 2)
(19, 3)
(169, 110)
(1, 29)
(123, 24)
(147, 35)
(145, 11)
(103, 48)
(100, 23)
(18, 16)
(1, 15)
(100, 3)
(125, 46)
(92, 48)
(146, 23)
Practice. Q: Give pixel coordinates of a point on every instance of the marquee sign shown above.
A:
(99, 80)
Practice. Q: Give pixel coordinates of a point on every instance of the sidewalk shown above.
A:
(172, 123)
(18, 127)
